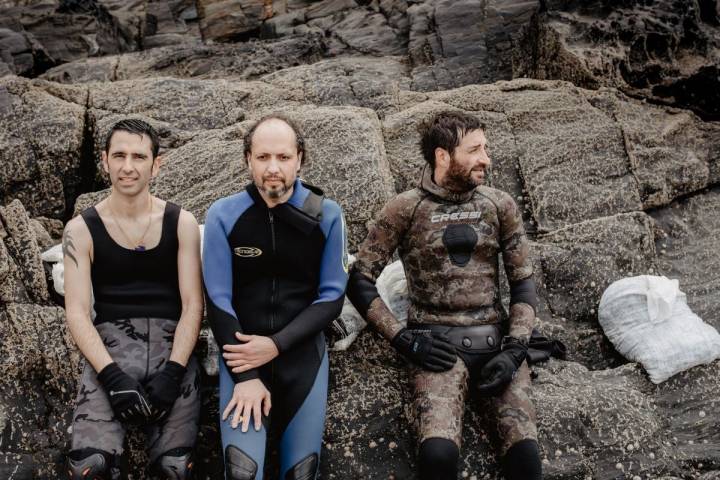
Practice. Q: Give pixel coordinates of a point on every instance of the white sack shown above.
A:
(648, 321)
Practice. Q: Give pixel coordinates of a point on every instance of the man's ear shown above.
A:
(300, 161)
(442, 157)
(157, 163)
(104, 158)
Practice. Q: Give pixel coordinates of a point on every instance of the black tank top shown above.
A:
(129, 283)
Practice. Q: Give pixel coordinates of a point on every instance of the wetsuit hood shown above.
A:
(428, 184)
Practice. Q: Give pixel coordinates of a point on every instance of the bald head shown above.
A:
(276, 130)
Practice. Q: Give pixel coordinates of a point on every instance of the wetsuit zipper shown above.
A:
(274, 287)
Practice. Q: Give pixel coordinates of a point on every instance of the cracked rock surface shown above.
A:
(610, 150)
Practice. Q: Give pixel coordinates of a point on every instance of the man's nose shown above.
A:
(484, 159)
(127, 165)
(273, 165)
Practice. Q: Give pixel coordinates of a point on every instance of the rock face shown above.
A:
(244, 61)
(688, 229)
(40, 154)
(37, 355)
(39, 35)
(667, 51)
(613, 180)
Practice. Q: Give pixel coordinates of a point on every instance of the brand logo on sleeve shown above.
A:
(247, 252)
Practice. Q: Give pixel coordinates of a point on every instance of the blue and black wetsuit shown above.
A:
(280, 272)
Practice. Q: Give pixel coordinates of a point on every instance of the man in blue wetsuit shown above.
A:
(275, 270)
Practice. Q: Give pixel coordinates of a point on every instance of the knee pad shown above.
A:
(239, 465)
(522, 461)
(305, 469)
(438, 459)
(175, 464)
(91, 464)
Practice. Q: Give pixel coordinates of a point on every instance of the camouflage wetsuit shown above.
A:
(449, 245)
(140, 346)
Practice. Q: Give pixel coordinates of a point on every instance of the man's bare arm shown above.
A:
(77, 245)
(190, 281)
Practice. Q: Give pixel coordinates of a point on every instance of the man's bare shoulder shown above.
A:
(76, 240)
(187, 225)
(77, 229)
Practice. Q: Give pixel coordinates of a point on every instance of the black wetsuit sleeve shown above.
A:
(331, 288)
(217, 276)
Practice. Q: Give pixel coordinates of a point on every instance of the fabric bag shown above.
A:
(648, 320)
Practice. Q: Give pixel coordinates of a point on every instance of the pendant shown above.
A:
(140, 248)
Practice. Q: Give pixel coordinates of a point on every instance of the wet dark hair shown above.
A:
(445, 130)
(138, 127)
(299, 139)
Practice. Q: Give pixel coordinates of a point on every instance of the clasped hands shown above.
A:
(250, 399)
(135, 404)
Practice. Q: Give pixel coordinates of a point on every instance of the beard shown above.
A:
(274, 192)
(459, 178)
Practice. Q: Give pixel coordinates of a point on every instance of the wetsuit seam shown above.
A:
(412, 215)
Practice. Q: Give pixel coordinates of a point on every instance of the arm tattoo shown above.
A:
(68, 248)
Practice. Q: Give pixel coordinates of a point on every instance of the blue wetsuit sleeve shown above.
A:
(218, 280)
(331, 289)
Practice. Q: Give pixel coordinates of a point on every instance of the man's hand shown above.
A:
(163, 389)
(127, 397)
(499, 371)
(249, 398)
(254, 352)
(430, 351)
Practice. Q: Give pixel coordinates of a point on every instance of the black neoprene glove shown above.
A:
(127, 396)
(499, 371)
(427, 350)
(163, 389)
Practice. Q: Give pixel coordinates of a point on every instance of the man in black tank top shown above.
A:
(135, 260)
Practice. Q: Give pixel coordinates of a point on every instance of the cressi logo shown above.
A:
(247, 252)
(449, 217)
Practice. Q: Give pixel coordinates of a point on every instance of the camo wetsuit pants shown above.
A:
(439, 404)
(140, 347)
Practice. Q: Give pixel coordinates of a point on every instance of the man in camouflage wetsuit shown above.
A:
(449, 232)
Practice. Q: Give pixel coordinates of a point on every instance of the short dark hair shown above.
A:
(299, 139)
(138, 127)
(445, 130)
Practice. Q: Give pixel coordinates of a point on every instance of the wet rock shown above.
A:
(243, 61)
(671, 152)
(40, 152)
(21, 245)
(368, 33)
(226, 20)
(360, 81)
(667, 51)
(18, 53)
(460, 43)
(687, 246)
(573, 161)
(580, 261)
(71, 30)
